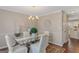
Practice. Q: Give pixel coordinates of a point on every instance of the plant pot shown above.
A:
(17, 34)
(33, 36)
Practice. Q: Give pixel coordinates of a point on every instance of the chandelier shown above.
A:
(33, 17)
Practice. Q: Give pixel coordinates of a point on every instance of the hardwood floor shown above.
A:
(74, 45)
(52, 48)
(5, 50)
(65, 46)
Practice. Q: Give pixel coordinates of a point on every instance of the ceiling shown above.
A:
(72, 11)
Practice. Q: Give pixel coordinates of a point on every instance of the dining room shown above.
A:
(34, 29)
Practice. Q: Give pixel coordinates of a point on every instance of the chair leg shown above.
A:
(28, 47)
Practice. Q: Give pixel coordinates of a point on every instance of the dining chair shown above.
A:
(26, 34)
(40, 47)
(14, 48)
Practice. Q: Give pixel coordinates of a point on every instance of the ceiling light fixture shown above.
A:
(33, 17)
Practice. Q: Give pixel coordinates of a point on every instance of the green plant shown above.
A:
(33, 30)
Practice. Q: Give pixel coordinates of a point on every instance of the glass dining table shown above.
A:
(27, 41)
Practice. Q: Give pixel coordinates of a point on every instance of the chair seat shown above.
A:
(19, 49)
(34, 48)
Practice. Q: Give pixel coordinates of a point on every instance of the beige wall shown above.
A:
(9, 21)
(65, 27)
(53, 24)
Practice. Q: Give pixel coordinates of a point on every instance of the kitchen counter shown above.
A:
(74, 34)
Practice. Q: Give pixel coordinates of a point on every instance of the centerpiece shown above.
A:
(33, 32)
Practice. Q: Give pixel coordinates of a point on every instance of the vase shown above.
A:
(33, 36)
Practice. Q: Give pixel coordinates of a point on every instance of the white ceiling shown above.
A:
(42, 10)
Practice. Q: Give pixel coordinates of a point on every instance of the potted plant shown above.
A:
(33, 32)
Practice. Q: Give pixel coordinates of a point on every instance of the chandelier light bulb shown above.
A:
(29, 17)
(37, 17)
(33, 17)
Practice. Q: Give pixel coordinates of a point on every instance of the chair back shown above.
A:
(26, 34)
(43, 42)
(10, 42)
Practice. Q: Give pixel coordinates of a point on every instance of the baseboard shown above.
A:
(50, 42)
(3, 47)
(56, 43)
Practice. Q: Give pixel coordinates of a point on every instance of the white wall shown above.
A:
(65, 27)
(9, 21)
(53, 24)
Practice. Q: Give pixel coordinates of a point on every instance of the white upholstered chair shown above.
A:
(40, 47)
(26, 34)
(14, 49)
